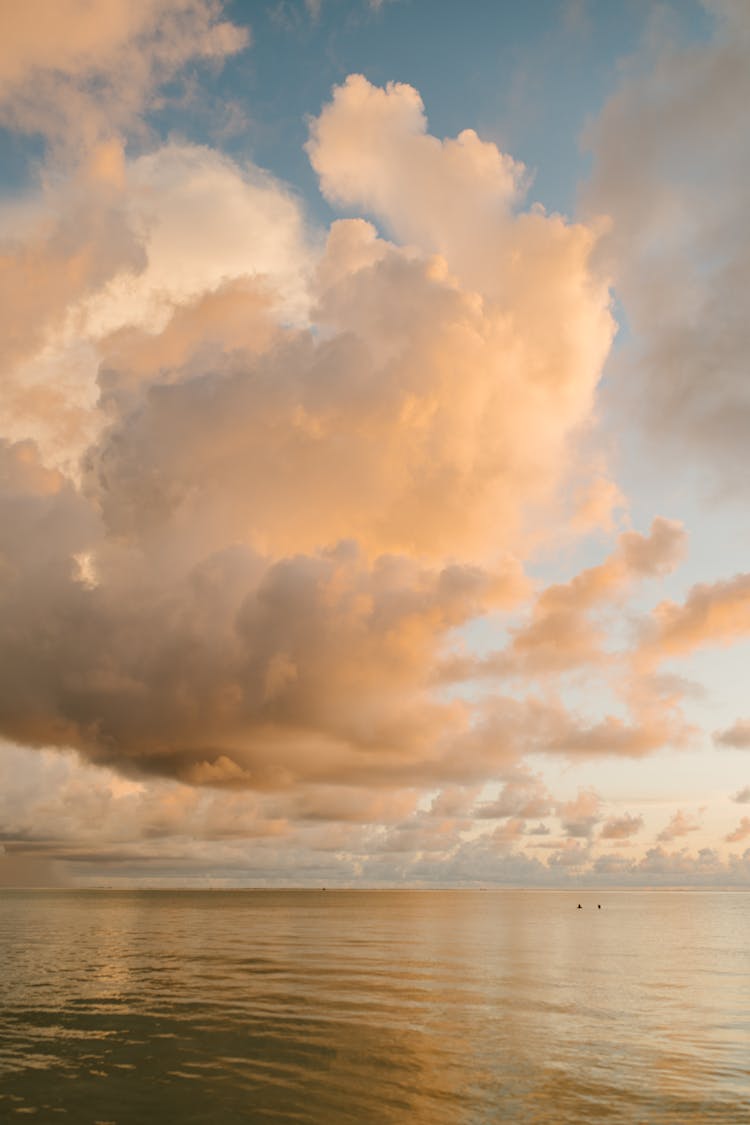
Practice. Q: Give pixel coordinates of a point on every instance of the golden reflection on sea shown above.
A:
(425, 1007)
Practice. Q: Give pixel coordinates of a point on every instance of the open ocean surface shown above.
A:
(425, 1007)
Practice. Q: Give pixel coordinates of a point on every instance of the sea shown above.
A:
(425, 1007)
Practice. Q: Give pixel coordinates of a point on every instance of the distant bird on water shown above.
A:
(579, 906)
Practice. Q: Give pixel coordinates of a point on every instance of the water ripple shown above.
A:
(439, 1008)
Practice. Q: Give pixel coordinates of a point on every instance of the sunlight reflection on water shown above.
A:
(426, 1007)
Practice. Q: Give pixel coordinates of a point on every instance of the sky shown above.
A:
(374, 428)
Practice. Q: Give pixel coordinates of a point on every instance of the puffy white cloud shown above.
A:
(371, 149)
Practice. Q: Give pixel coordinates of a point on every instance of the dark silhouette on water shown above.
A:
(579, 906)
(598, 906)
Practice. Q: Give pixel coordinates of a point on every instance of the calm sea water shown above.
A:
(354, 1006)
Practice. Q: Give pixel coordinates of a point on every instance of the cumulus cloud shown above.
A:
(454, 801)
(737, 736)
(741, 832)
(523, 796)
(371, 149)
(308, 466)
(671, 153)
(225, 668)
(659, 867)
(123, 273)
(679, 825)
(101, 240)
(621, 827)
(205, 220)
(259, 483)
(580, 816)
(571, 855)
(61, 819)
(55, 250)
(743, 796)
(64, 821)
(712, 613)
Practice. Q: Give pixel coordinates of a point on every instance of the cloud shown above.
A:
(454, 801)
(621, 827)
(561, 634)
(223, 668)
(138, 275)
(262, 485)
(55, 806)
(205, 220)
(712, 613)
(741, 832)
(308, 465)
(566, 629)
(580, 816)
(572, 855)
(679, 825)
(65, 821)
(737, 736)
(522, 797)
(596, 505)
(507, 834)
(79, 74)
(743, 796)
(339, 803)
(662, 868)
(507, 728)
(371, 149)
(55, 250)
(671, 153)
(612, 735)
